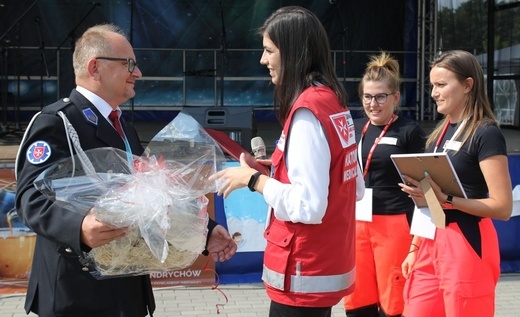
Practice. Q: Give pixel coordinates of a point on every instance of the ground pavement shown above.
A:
(250, 300)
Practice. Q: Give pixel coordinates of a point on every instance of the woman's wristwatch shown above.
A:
(253, 180)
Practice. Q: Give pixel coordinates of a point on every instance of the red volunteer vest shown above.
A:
(314, 265)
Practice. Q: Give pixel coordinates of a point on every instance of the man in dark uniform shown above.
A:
(60, 285)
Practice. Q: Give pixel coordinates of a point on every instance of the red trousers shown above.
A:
(381, 247)
(449, 279)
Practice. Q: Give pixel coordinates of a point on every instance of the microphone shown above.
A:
(258, 148)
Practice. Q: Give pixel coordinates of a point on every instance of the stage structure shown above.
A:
(192, 53)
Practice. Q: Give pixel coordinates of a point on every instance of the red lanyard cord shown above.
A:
(215, 286)
(441, 136)
(376, 142)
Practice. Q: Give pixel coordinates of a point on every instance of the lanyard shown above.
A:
(129, 155)
(443, 134)
(376, 142)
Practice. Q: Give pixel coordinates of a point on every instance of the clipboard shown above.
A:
(438, 165)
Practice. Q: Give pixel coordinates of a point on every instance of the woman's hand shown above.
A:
(233, 178)
(411, 258)
(414, 188)
(266, 162)
(408, 263)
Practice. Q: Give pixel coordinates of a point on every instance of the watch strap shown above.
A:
(253, 180)
(448, 204)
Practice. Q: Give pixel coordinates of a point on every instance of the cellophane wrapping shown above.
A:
(159, 197)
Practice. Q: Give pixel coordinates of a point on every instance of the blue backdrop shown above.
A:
(247, 266)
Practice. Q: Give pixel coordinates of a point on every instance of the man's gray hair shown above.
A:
(94, 42)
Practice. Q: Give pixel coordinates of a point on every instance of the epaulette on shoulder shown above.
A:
(57, 106)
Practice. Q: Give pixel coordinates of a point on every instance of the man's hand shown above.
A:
(94, 233)
(221, 246)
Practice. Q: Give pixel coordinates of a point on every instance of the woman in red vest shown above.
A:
(309, 260)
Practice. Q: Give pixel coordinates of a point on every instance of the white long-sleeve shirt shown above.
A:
(305, 199)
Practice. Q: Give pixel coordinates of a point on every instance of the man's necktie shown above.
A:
(115, 120)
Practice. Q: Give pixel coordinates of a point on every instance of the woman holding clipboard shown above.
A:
(456, 272)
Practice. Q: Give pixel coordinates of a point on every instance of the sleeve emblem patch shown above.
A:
(38, 152)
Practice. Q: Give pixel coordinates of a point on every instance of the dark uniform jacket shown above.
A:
(59, 284)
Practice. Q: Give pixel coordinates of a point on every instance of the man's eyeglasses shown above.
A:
(380, 98)
(130, 62)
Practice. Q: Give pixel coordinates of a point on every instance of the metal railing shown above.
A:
(170, 76)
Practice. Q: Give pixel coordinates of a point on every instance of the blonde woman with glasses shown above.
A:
(382, 243)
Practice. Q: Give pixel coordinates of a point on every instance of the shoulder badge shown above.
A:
(90, 116)
(38, 152)
(344, 126)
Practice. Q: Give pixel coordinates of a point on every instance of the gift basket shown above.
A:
(159, 197)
